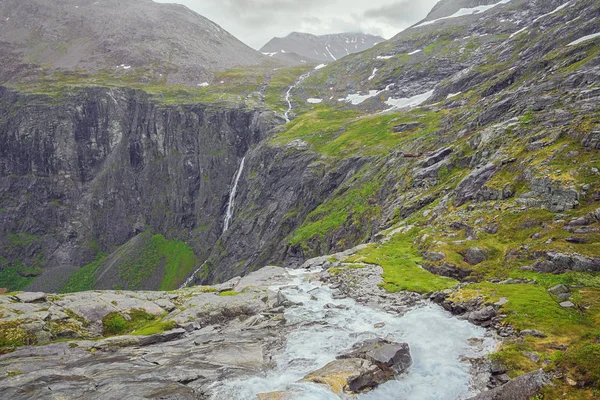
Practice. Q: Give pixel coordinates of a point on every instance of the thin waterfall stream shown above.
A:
(231, 202)
(323, 326)
(289, 94)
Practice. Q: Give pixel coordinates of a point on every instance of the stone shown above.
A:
(480, 316)
(475, 255)
(448, 269)
(470, 187)
(567, 304)
(409, 126)
(434, 256)
(563, 297)
(347, 376)
(275, 396)
(31, 297)
(558, 289)
(532, 332)
(532, 356)
(385, 354)
(501, 302)
(521, 388)
(576, 240)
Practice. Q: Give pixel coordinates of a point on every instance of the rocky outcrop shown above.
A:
(472, 184)
(558, 263)
(521, 388)
(347, 376)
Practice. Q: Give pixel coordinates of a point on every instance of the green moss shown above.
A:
(12, 335)
(229, 293)
(154, 328)
(400, 262)
(136, 320)
(17, 276)
(582, 360)
(14, 373)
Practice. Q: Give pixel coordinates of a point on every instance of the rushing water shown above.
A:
(437, 342)
(289, 94)
(231, 202)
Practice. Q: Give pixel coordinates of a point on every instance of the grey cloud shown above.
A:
(255, 22)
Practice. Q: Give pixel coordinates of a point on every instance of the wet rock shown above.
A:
(576, 240)
(385, 354)
(31, 297)
(481, 316)
(350, 375)
(274, 396)
(475, 255)
(521, 388)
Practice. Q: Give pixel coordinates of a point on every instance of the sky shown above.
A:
(255, 22)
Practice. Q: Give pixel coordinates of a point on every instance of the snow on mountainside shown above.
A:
(312, 48)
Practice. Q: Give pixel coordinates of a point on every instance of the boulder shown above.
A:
(350, 375)
(475, 255)
(558, 289)
(449, 270)
(559, 263)
(532, 332)
(567, 304)
(409, 126)
(434, 256)
(481, 316)
(522, 388)
(388, 356)
(31, 297)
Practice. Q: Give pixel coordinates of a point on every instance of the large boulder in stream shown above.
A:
(350, 375)
(389, 356)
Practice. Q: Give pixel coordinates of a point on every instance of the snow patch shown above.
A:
(414, 52)
(320, 66)
(204, 84)
(410, 101)
(384, 57)
(567, 4)
(357, 98)
(124, 66)
(451, 95)
(271, 54)
(314, 101)
(517, 32)
(329, 51)
(584, 39)
(373, 74)
(465, 11)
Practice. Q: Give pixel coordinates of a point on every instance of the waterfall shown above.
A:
(231, 202)
(192, 276)
(289, 94)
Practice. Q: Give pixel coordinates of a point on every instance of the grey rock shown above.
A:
(532, 356)
(481, 316)
(385, 354)
(470, 187)
(31, 297)
(409, 126)
(521, 388)
(567, 304)
(475, 255)
(434, 256)
(559, 289)
(532, 332)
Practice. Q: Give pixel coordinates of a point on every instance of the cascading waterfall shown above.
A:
(322, 327)
(231, 202)
(228, 215)
(289, 94)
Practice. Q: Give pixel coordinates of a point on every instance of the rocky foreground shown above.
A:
(201, 342)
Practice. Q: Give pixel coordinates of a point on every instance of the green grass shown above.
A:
(11, 277)
(84, 278)
(400, 262)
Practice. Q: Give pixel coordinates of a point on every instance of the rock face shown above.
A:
(216, 337)
(134, 37)
(324, 49)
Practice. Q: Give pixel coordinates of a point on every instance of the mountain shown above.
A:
(322, 49)
(456, 163)
(139, 40)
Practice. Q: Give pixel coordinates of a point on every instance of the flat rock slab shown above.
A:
(521, 388)
(389, 356)
(30, 297)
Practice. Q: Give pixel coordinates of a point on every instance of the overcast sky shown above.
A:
(255, 22)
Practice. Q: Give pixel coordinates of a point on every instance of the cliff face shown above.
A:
(89, 171)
